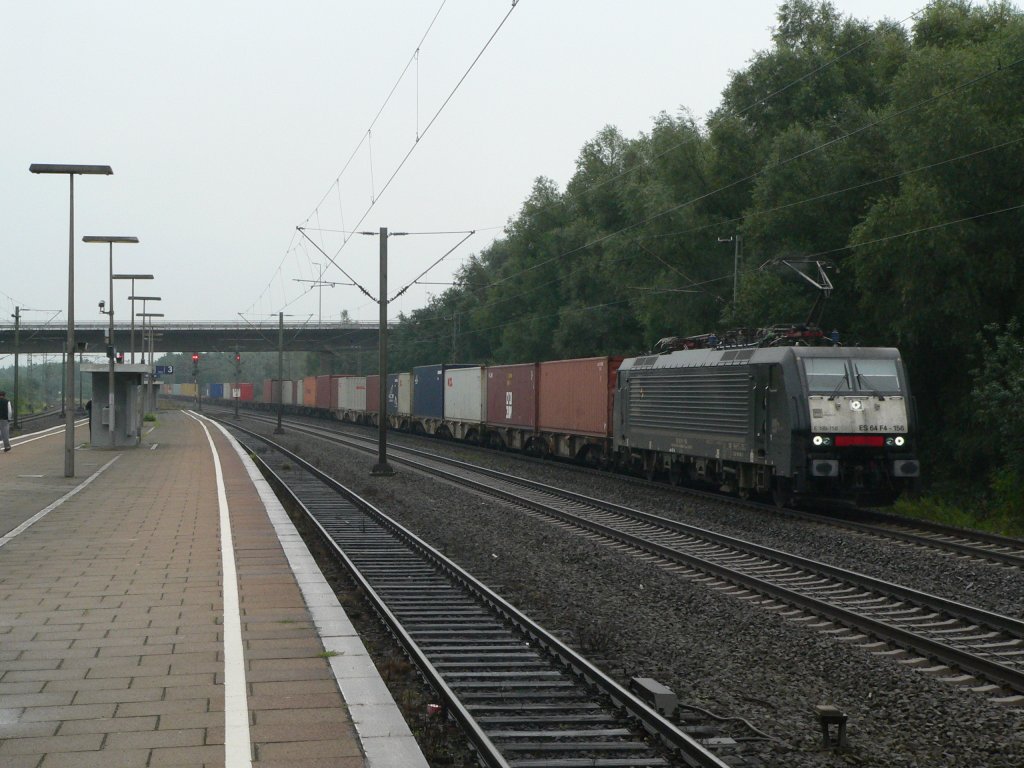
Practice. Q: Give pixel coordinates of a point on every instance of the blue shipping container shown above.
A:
(428, 391)
(392, 392)
(428, 382)
(217, 390)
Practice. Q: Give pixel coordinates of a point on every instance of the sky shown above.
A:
(230, 124)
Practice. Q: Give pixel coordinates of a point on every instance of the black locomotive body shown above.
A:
(796, 422)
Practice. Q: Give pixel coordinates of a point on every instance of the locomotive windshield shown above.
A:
(827, 374)
(877, 374)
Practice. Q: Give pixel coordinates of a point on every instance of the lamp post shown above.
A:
(110, 240)
(133, 278)
(144, 314)
(69, 375)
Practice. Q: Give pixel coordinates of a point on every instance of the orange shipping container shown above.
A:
(576, 396)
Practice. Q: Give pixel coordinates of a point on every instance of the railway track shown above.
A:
(919, 533)
(972, 643)
(524, 698)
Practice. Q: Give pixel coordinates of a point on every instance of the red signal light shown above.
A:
(195, 357)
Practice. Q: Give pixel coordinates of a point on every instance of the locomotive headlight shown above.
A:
(818, 440)
(899, 441)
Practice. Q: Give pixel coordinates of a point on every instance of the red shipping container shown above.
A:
(267, 396)
(308, 393)
(323, 391)
(248, 392)
(373, 393)
(576, 396)
(512, 395)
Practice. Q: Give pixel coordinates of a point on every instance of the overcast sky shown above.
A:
(228, 125)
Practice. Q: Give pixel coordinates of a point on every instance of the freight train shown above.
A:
(794, 421)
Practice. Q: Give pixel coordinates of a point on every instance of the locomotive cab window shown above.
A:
(827, 374)
(877, 375)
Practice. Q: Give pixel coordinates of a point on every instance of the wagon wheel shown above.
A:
(676, 473)
(650, 467)
(782, 492)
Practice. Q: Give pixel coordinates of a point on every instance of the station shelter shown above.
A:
(128, 405)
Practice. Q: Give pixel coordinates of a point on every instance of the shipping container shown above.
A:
(323, 392)
(512, 396)
(373, 393)
(335, 390)
(287, 392)
(188, 389)
(308, 392)
(575, 396)
(399, 394)
(215, 390)
(465, 395)
(428, 391)
(428, 385)
(351, 395)
(248, 392)
(267, 393)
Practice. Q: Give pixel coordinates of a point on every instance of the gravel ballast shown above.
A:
(717, 652)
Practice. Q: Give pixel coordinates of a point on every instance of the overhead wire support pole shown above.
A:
(279, 430)
(382, 468)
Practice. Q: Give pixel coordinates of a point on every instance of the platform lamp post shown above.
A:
(110, 240)
(69, 374)
(144, 314)
(133, 278)
(152, 368)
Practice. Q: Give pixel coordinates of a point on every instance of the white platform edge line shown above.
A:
(383, 732)
(237, 739)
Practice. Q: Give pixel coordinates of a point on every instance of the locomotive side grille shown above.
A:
(696, 400)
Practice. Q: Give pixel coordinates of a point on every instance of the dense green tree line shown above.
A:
(893, 157)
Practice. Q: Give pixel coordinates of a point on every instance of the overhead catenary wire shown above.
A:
(376, 195)
(762, 171)
(414, 58)
(722, 278)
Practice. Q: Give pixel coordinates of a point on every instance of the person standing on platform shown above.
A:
(88, 413)
(6, 414)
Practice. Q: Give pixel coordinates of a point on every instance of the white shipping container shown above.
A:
(465, 394)
(287, 392)
(405, 394)
(352, 393)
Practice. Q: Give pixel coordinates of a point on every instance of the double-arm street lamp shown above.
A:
(110, 240)
(133, 278)
(69, 374)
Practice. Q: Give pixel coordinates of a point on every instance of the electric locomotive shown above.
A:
(797, 422)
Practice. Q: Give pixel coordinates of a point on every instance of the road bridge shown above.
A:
(195, 337)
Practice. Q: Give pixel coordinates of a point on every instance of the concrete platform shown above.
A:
(160, 610)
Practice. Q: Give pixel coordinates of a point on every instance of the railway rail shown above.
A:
(523, 697)
(980, 643)
(921, 533)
